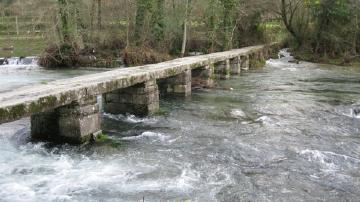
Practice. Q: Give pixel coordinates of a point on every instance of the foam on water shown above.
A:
(130, 118)
(237, 113)
(16, 63)
(329, 160)
(148, 134)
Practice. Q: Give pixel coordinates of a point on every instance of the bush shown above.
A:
(64, 55)
(143, 55)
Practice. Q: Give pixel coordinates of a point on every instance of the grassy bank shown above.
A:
(23, 46)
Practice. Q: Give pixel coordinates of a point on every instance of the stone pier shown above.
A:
(223, 69)
(179, 85)
(235, 65)
(75, 123)
(245, 64)
(141, 99)
(203, 77)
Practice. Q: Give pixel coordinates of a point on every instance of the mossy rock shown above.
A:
(104, 139)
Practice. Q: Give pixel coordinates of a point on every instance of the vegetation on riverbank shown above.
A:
(144, 31)
(149, 31)
(323, 31)
(340, 60)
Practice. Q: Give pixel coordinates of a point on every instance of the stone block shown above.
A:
(235, 65)
(141, 99)
(223, 69)
(76, 123)
(179, 85)
(203, 77)
(245, 64)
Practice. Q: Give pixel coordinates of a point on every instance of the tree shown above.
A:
(64, 21)
(228, 22)
(184, 41)
(288, 11)
(142, 7)
(212, 22)
(158, 21)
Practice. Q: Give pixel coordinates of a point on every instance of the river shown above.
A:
(287, 132)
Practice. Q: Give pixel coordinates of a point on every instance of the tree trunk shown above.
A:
(228, 9)
(289, 21)
(92, 18)
(64, 21)
(139, 20)
(356, 32)
(127, 7)
(184, 41)
(99, 15)
(158, 21)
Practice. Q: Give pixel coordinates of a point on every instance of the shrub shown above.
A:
(143, 55)
(64, 55)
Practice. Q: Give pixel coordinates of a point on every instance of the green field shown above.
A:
(22, 46)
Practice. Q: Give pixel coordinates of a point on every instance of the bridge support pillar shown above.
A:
(261, 55)
(244, 62)
(179, 85)
(204, 76)
(223, 69)
(235, 65)
(266, 52)
(253, 60)
(76, 123)
(141, 100)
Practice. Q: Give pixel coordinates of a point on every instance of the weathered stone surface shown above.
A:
(179, 85)
(75, 123)
(245, 65)
(204, 77)
(141, 99)
(30, 100)
(223, 69)
(45, 125)
(235, 65)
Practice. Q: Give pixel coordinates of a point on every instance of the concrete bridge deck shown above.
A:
(43, 98)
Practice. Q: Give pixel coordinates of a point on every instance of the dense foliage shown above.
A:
(323, 28)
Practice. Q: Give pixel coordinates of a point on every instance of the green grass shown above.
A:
(22, 46)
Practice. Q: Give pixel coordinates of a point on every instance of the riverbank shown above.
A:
(303, 55)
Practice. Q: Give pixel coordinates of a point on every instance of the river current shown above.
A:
(287, 132)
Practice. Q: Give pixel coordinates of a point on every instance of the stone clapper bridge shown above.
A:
(67, 110)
